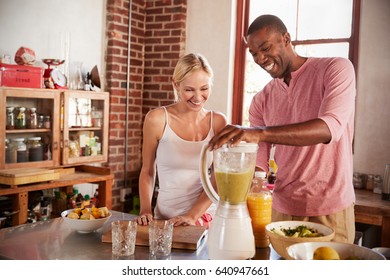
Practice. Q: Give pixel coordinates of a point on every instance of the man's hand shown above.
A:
(234, 134)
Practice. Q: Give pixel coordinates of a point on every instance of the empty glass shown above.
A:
(160, 238)
(123, 237)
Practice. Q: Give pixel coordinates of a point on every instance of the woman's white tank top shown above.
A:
(178, 172)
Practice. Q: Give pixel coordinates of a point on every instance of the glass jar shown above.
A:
(378, 184)
(370, 182)
(357, 180)
(7, 152)
(74, 149)
(41, 121)
(33, 119)
(35, 149)
(47, 122)
(10, 118)
(21, 118)
(18, 150)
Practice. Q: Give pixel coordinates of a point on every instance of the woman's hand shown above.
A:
(183, 221)
(144, 219)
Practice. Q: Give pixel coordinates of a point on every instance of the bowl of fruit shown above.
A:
(85, 220)
(286, 233)
(331, 251)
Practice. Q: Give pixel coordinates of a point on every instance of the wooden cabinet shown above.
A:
(85, 127)
(77, 132)
(47, 103)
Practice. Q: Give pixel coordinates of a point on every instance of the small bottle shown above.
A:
(10, 118)
(378, 184)
(271, 180)
(357, 180)
(7, 152)
(98, 146)
(86, 203)
(72, 199)
(47, 122)
(95, 198)
(21, 118)
(45, 209)
(370, 182)
(41, 121)
(259, 203)
(33, 119)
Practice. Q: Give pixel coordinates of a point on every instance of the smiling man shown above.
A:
(307, 110)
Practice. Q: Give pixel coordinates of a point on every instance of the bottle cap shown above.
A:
(260, 174)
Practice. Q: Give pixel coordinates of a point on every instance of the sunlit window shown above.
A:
(318, 28)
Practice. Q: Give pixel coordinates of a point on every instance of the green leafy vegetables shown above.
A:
(299, 231)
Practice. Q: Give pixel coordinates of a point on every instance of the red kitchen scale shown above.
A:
(53, 77)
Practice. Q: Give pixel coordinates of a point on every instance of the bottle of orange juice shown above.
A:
(259, 203)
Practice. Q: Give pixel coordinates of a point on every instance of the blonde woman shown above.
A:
(172, 139)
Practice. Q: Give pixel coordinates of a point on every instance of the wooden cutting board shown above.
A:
(184, 237)
(22, 176)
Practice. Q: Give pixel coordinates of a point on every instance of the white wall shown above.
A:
(372, 134)
(211, 32)
(47, 25)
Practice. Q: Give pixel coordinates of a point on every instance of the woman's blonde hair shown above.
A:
(187, 65)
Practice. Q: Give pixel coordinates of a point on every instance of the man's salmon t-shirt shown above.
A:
(311, 180)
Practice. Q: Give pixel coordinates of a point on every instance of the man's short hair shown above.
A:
(267, 21)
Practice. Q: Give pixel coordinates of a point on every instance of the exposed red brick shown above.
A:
(157, 39)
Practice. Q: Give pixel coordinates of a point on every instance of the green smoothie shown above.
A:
(233, 187)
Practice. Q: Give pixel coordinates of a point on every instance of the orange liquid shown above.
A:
(260, 211)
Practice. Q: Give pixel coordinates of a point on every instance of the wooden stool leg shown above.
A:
(20, 202)
(385, 242)
(105, 193)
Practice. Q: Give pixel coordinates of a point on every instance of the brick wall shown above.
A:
(157, 41)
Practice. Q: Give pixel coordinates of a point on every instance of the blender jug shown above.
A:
(233, 170)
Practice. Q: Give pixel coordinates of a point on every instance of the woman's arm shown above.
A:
(152, 131)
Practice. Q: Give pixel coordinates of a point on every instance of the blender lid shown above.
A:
(242, 147)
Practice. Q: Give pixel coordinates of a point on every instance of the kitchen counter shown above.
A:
(53, 239)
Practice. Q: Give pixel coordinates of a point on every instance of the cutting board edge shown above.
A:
(106, 238)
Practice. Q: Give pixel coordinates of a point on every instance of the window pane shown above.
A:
(255, 80)
(324, 50)
(324, 19)
(284, 9)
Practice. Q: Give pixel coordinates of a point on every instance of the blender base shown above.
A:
(231, 239)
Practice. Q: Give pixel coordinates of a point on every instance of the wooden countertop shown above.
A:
(371, 203)
(371, 209)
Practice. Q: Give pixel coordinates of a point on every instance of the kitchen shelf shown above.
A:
(82, 174)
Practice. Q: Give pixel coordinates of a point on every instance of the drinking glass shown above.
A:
(160, 238)
(123, 237)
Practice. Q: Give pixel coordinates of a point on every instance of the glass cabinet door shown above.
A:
(29, 135)
(84, 127)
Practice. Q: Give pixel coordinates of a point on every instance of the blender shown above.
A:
(230, 234)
